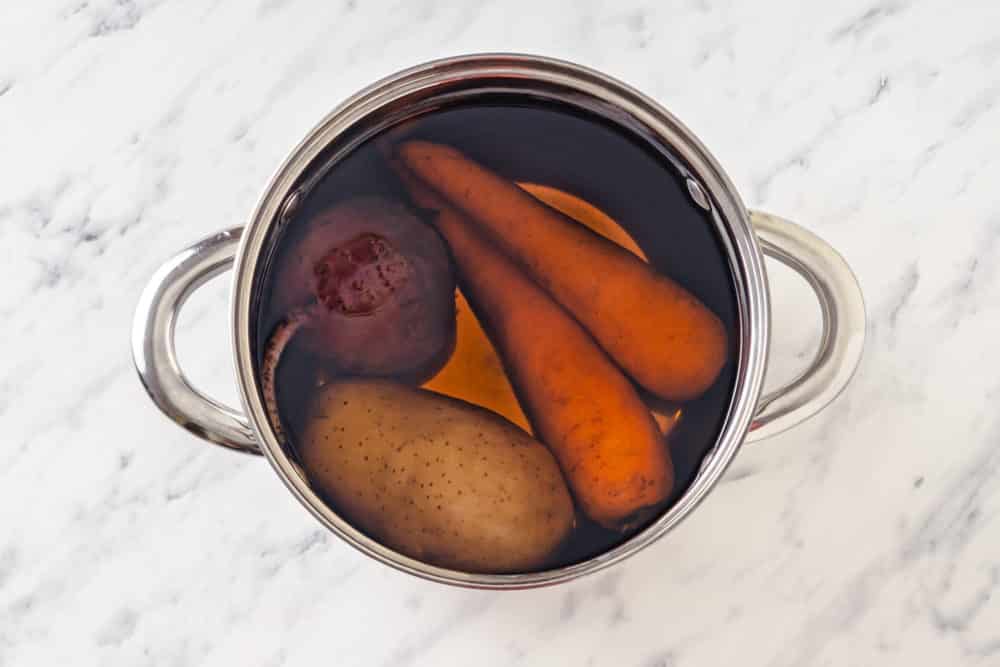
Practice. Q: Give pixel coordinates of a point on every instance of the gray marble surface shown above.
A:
(869, 536)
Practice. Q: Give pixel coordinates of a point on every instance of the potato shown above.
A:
(435, 478)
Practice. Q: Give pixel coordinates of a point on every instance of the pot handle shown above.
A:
(843, 311)
(155, 356)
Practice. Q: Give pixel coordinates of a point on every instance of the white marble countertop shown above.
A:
(869, 536)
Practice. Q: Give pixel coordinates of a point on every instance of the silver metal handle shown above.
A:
(153, 348)
(843, 311)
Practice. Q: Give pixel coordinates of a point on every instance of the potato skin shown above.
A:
(435, 478)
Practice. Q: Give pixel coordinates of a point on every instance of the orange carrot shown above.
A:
(579, 403)
(659, 333)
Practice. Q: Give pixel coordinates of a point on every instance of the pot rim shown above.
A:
(728, 211)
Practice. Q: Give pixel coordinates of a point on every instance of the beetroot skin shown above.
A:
(376, 288)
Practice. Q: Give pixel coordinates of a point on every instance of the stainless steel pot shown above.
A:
(745, 235)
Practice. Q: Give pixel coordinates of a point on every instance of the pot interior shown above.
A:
(536, 134)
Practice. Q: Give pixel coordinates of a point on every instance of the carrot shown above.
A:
(475, 372)
(659, 333)
(578, 402)
(583, 212)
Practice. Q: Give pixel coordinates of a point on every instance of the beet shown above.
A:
(372, 289)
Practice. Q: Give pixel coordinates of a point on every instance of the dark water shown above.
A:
(581, 154)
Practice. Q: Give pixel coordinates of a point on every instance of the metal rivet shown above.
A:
(289, 207)
(698, 194)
